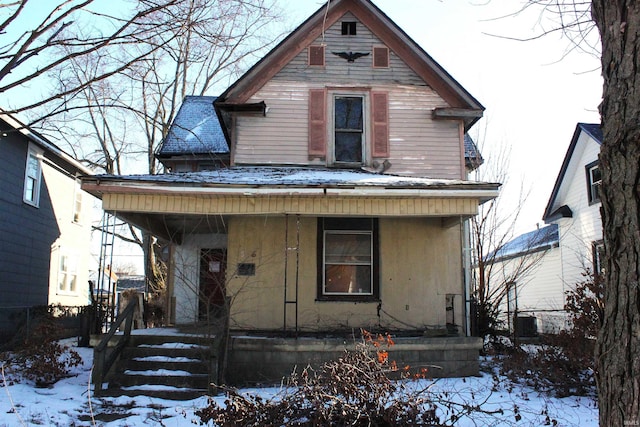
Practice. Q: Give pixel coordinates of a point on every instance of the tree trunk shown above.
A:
(618, 350)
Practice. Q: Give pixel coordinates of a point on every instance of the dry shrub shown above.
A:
(354, 390)
(42, 359)
(564, 363)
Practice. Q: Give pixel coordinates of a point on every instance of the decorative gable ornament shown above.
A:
(350, 56)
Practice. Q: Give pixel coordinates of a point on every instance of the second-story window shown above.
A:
(77, 205)
(32, 178)
(348, 129)
(594, 179)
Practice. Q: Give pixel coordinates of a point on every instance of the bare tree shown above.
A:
(117, 123)
(618, 25)
(618, 364)
(62, 33)
(491, 232)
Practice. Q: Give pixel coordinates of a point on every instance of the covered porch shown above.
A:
(263, 222)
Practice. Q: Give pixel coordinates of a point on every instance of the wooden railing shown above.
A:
(103, 360)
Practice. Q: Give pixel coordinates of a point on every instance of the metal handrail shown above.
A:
(103, 363)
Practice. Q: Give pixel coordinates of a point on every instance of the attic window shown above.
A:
(349, 28)
(316, 56)
(380, 57)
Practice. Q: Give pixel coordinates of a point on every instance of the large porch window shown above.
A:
(347, 259)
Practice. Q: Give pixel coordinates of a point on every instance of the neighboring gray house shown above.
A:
(45, 226)
(575, 243)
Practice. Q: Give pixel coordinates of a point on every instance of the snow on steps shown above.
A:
(169, 367)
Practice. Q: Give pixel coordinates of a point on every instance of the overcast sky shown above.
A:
(533, 92)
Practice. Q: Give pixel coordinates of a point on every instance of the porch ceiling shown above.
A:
(172, 227)
(171, 216)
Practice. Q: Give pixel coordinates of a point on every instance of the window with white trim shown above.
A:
(594, 179)
(68, 274)
(348, 253)
(32, 178)
(77, 205)
(348, 128)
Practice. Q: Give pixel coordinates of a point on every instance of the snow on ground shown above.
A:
(68, 403)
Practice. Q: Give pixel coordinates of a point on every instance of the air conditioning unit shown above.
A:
(527, 326)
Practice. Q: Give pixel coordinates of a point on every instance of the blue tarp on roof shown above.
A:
(529, 242)
(195, 130)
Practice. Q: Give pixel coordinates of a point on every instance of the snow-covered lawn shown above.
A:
(68, 403)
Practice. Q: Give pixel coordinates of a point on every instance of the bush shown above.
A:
(40, 358)
(564, 363)
(353, 390)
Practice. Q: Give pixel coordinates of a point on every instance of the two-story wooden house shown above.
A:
(340, 200)
(44, 227)
(573, 239)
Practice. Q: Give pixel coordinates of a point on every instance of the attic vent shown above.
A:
(380, 57)
(316, 55)
(349, 28)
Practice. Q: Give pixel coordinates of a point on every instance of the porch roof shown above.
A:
(171, 205)
(292, 180)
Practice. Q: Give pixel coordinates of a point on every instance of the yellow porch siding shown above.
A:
(242, 205)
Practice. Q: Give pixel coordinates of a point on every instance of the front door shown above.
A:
(212, 283)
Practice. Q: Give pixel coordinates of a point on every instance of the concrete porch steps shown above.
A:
(168, 367)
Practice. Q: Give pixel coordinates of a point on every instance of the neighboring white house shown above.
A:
(573, 211)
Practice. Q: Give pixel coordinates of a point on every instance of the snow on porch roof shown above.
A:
(294, 176)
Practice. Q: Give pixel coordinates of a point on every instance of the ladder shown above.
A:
(105, 287)
(291, 292)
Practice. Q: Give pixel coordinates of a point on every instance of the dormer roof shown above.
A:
(195, 130)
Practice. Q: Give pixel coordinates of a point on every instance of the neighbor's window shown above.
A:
(77, 205)
(32, 178)
(594, 179)
(597, 249)
(348, 129)
(67, 274)
(348, 258)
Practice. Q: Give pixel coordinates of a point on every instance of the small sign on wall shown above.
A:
(246, 269)
(214, 267)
